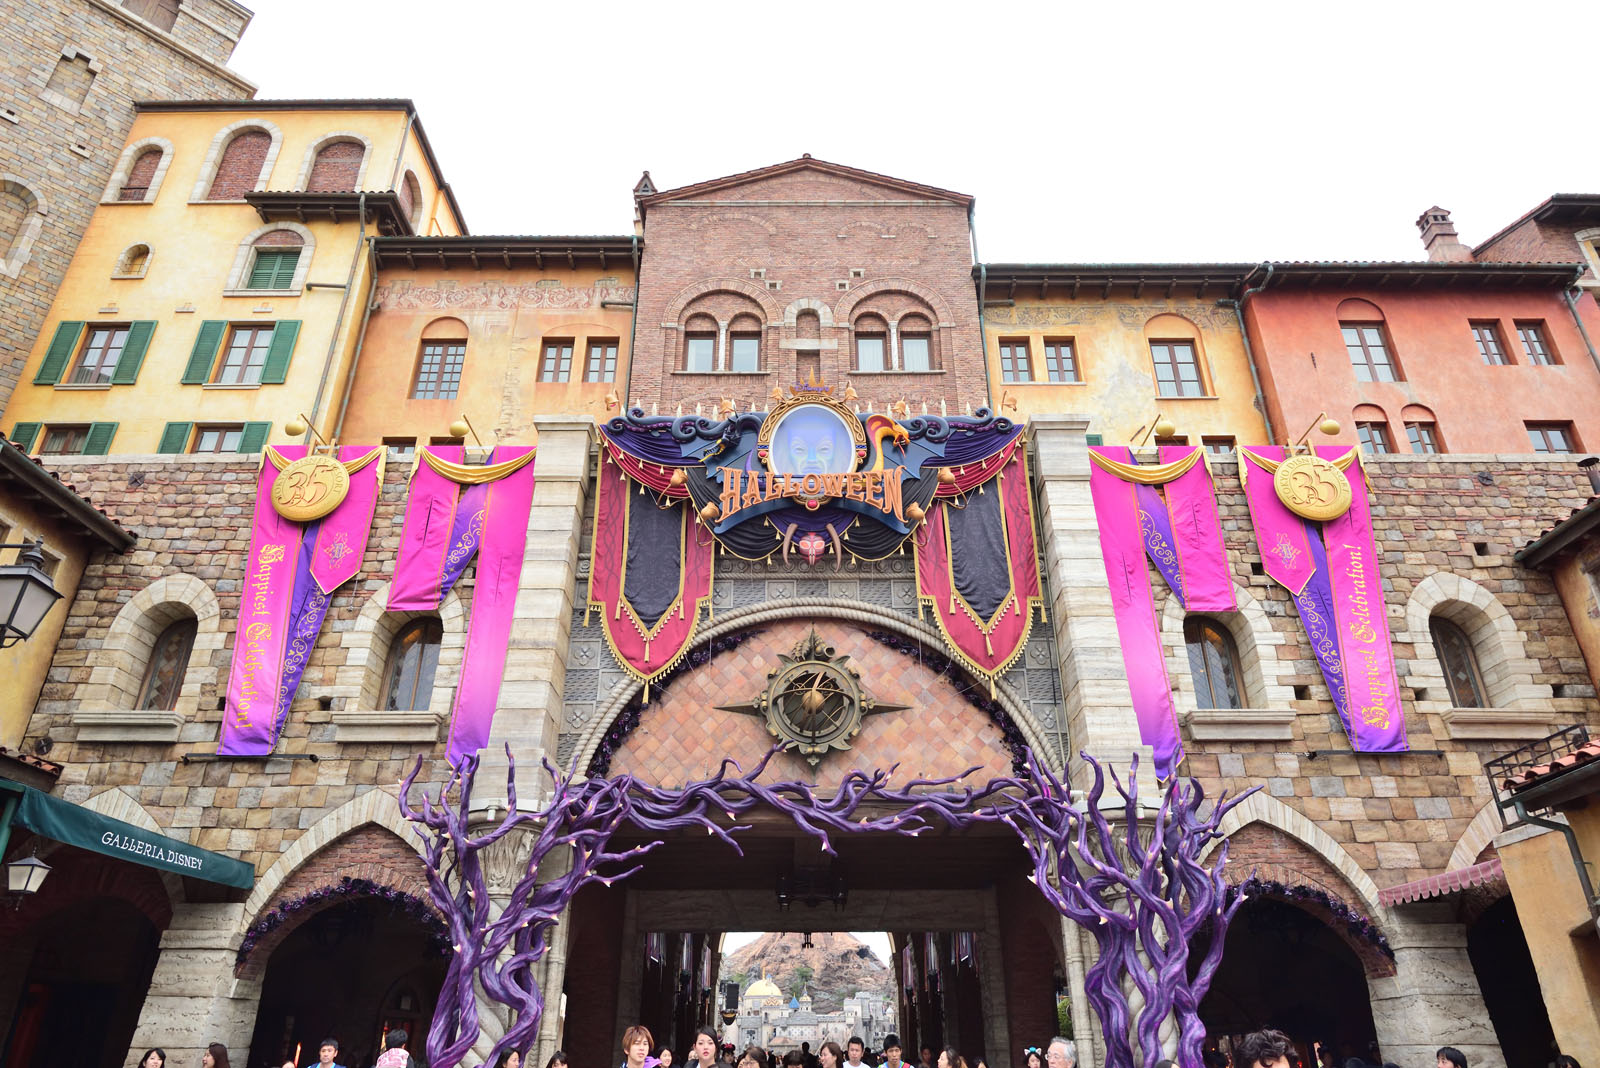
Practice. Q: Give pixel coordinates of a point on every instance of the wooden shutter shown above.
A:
(133, 350)
(274, 268)
(1094, 439)
(175, 438)
(204, 354)
(254, 438)
(287, 265)
(98, 441)
(22, 435)
(56, 358)
(276, 367)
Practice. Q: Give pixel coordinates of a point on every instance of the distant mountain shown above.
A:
(838, 964)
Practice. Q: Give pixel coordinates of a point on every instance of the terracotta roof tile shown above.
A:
(1584, 754)
(1443, 884)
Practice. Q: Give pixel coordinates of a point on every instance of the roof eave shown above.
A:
(1543, 551)
(41, 483)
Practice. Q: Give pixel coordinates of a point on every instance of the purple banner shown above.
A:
(425, 535)
(1197, 535)
(1315, 605)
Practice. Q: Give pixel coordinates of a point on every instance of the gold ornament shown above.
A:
(1312, 488)
(310, 488)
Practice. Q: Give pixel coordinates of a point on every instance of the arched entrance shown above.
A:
(351, 971)
(1510, 986)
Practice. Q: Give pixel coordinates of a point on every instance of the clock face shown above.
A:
(816, 700)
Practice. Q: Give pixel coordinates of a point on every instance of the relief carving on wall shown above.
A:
(1128, 316)
(403, 295)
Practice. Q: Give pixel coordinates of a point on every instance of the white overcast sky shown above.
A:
(1087, 132)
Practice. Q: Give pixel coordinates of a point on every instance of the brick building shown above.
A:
(70, 75)
(1378, 875)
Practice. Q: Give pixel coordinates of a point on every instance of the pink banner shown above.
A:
(1378, 721)
(1280, 534)
(1121, 545)
(1197, 535)
(425, 535)
(494, 597)
(342, 535)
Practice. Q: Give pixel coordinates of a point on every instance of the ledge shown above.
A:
(1510, 723)
(386, 726)
(1240, 724)
(141, 725)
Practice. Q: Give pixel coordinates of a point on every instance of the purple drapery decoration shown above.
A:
(308, 606)
(466, 531)
(1155, 528)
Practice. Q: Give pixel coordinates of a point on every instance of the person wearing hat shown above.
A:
(891, 1052)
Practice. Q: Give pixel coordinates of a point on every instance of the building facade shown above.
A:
(1378, 878)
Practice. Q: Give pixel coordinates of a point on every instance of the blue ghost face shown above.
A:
(812, 441)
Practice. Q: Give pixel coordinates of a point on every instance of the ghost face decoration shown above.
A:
(812, 440)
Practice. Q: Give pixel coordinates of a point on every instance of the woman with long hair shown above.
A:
(215, 1056)
(664, 1056)
(511, 1058)
(949, 1058)
(155, 1057)
(830, 1055)
(636, 1046)
(558, 1059)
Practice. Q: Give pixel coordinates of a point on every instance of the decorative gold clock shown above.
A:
(814, 699)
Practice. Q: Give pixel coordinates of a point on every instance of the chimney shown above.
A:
(1439, 237)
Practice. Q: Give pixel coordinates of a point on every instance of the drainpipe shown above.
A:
(1577, 856)
(338, 325)
(983, 291)
(400, 149)
(361, 337)
(633, 328)
(1249, 350)
(1572, 306)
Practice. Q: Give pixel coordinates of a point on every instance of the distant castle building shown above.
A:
(778, 1025)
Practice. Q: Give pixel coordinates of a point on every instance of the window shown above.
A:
(22, 214)
(101, 351)
(133, 263)
(1460, 663)
(1374, 437)
(555, 365)
(400, 449)
(1220, 447)
(1424, 437)
(1551, 437)
(336, 167)
(413, 658)
(1177, 370)
(1060, 360)
(1177, 439)
(1490, 347)
(439, 370)
(218, 438)
(274, 258)
(137, 187)
(64, 440)
(1015, 365)
(410, 194)
(169, 659)
(244, 357)
(869, 352)
(699, 352)
(214, 437)
(746, 352)
(274, 268)
(601, 363)
(1213, 662)
(916, 352)
(240, 166)
(1534, 345)
(163, 13)
(1369, 355)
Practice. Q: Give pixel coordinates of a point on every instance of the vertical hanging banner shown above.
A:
(1165, 512)
(1314, 530)
(652, 567)
(308, 537)
(458, 511)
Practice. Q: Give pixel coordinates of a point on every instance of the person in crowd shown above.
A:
(1033, 1057)
(927, 1058)
(810, 1058)
(1265, 1049)
(949, 1058)
(1450, 1057)
(558, 1059)
(154, 1058)
(854, 1050)
(727, 1054)
(328, 1053)
(636, 1046)
(982, 1063)
(753, 1057)
(664, 1056)
(511, 1058)
(1563, 1061)
(1061, 1053)
(703, 1054)
(830, 1055)
(891, 1052)
(394, 1053)
(794, 1059)
(215, 1056)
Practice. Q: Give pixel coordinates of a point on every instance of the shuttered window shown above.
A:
(274, 268)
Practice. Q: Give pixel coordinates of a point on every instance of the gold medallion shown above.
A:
(310, 488)
(1312, 487)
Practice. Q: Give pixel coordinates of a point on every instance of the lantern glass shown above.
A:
(26, 876)
(26, 595)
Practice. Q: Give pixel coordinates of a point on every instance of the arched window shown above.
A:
(21, 218)
(916, 344)
(872, 335)
(1460, 663)
(240, 167)
(413, 658)
(133, 263)
(139, 172)
(1366, 339)
(700, 344)
(1214, 663)
(140, 175)
(410, 193)
(337, 167)
(169, 659)
(439, 361)
(273, 259)
(744, 344)
(1177, 356)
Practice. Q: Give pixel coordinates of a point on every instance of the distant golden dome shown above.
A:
(763, 988)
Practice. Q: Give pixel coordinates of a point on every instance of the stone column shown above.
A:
(1433, 999)
(529, 712)
(1085, 1025)
(992, 984)
(194, 998)
(1097, 706)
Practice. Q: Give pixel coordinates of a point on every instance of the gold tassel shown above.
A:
(1042, 617)
(988, 645)
(646, 693)
(618, 613)
(991, 687)
(647, 650)
(641, 489)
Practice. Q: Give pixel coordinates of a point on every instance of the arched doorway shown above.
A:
(351, 971)
(1283, 967)
(1504, 967)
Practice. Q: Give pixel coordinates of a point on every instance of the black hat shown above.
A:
(891, 1041)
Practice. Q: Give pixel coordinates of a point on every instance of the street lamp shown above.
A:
(26, 593)
(24, 877)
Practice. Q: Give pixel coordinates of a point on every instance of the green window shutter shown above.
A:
(206, 344)
(1094, 439)
(254, 438)
(273, 268)
(56, 358)
(288, 263)
(98, 441)
(175, 438)
(276, 367)
(22, 435)
(133, 350)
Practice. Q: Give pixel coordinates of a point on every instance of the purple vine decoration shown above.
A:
(1143, 900)
(347, 889)
(1355, 923)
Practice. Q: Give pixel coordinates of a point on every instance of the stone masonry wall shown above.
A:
(64, 151)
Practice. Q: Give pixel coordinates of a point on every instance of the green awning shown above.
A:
(62, 821)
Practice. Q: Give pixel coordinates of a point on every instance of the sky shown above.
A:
(1112, 132)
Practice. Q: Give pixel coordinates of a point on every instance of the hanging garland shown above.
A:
(348, 889)
(1354, 922)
